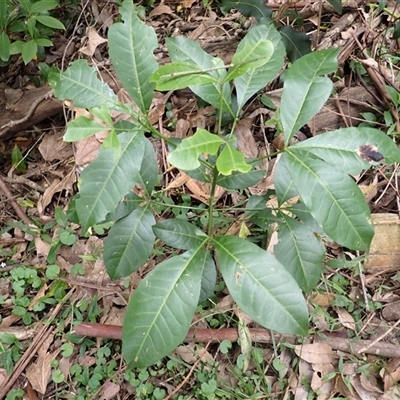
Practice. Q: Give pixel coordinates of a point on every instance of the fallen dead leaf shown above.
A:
(39, 372)
(52, 147)
(109, 390)
(94, 40)
(316, 353)
(346, 319)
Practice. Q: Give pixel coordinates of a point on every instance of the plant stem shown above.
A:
(211, 201)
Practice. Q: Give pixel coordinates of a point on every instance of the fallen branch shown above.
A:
(257, 335)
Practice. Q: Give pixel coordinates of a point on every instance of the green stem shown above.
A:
(211, 201)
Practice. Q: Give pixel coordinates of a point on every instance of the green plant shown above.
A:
(314, 174)
(28, 19)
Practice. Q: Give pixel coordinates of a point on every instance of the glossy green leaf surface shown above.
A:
(82, 128)
(180, 75)
(129, 243)
(5, 44)
(105, 181)
(161, 309)
(255, 79)
(131, 46)
(300, 252)
(179, 234)
(261, 286)
(350, 148)
(148, 173)
(333, 198)
(208, 278)
(217, 94)
(297, 44)
(250, 56)
(238, 180)
(80, 84)
(186, 154)
(231, 160)
(305, 91)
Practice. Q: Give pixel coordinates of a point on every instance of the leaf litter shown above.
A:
(323, 368)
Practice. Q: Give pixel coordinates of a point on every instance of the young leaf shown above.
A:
(261, 286)
(352, 149)
(129, 243)
(82, 128)
(189, 51)
(250, 56)
(305, 91)
(106, 180)
(230, 160)
(333, 198)
(131, 46)
(300, 252)
(255, 79)
(80, 84)
(179, 234)
(161, 309)
(180, 75)
(186, 155)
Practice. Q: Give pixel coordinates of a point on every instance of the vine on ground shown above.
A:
(316, 196)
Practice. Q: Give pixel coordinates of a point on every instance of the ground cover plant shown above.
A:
(315, 173)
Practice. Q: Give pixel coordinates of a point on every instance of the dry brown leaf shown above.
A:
(391, 373)
(363, 393)
(94, 40)
(319, 384)
(159, 10)
(323, 299)
(52, 147)
(316, 353)
(109, 391)
(188, 3)
(42, 247)
(246, 142)
(86, 150)
(39, 372)
(56, 187)
(191, 352)
(346, 319)
(370, 383)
